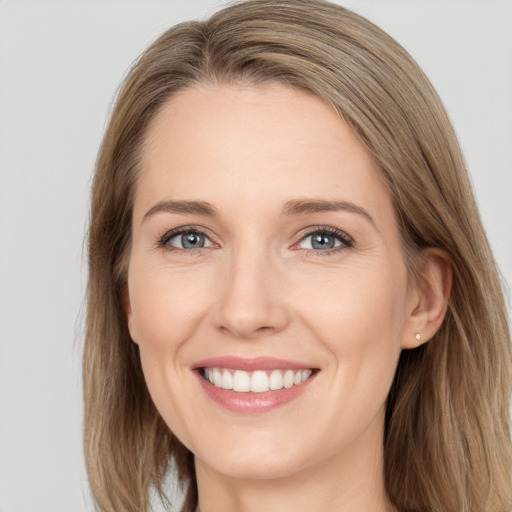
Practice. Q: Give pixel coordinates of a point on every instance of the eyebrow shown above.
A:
(182, 207)
(307, 206)
(294, 207)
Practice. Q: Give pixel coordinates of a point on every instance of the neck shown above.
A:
(347, 482)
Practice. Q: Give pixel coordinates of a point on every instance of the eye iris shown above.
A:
(192, 240)
(322, 241)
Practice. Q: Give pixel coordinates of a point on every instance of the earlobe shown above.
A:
(430, 298)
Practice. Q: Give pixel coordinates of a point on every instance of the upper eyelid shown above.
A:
(168, 235)
(187, 229)
(311, 230)
(322, 229)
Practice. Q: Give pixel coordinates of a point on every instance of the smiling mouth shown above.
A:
(259, 381)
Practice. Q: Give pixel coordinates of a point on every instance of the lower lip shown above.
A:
(252, 403)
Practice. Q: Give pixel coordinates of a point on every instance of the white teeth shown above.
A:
(276, 380)
(258, 381)
(227, 380)
(217, 377)
(305, 374)
(288, 379)
(241, 381)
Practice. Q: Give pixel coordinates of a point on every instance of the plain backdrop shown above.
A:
(60, 65)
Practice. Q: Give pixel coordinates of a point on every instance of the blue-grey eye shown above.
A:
(190, 240)
(320, 241)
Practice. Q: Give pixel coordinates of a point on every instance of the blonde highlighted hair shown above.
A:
(447, 440)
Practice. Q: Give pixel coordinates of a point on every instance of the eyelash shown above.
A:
(164, 241)
(346, 241)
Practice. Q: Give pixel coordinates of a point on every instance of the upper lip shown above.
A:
(250, 364)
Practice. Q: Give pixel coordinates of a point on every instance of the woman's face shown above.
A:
(266, 256)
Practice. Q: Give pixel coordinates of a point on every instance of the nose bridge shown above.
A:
(251, 303)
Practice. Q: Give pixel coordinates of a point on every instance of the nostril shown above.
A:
(247, 332)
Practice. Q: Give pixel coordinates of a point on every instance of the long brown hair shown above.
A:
(447, 440)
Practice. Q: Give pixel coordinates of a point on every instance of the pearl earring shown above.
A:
(418, 336)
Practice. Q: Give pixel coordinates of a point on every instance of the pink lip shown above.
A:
(250, 403)
(250, 365)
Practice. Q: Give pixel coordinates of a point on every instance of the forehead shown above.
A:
(256, 144)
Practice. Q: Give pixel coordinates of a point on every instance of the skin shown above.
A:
(258, 288)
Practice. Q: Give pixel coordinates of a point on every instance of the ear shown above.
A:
(129, 314)
(428, 299)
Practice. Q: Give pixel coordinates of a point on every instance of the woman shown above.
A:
(291, 296)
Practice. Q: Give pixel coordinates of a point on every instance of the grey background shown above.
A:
(60, 64)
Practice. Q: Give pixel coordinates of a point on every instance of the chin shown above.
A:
(255, 468)
(257, 460)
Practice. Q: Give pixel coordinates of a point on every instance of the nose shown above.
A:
(252, 301)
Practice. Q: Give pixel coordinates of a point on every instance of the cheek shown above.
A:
(367, 302)
(166, 310)
(359, 317)
(165, 305)
(359, 320)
